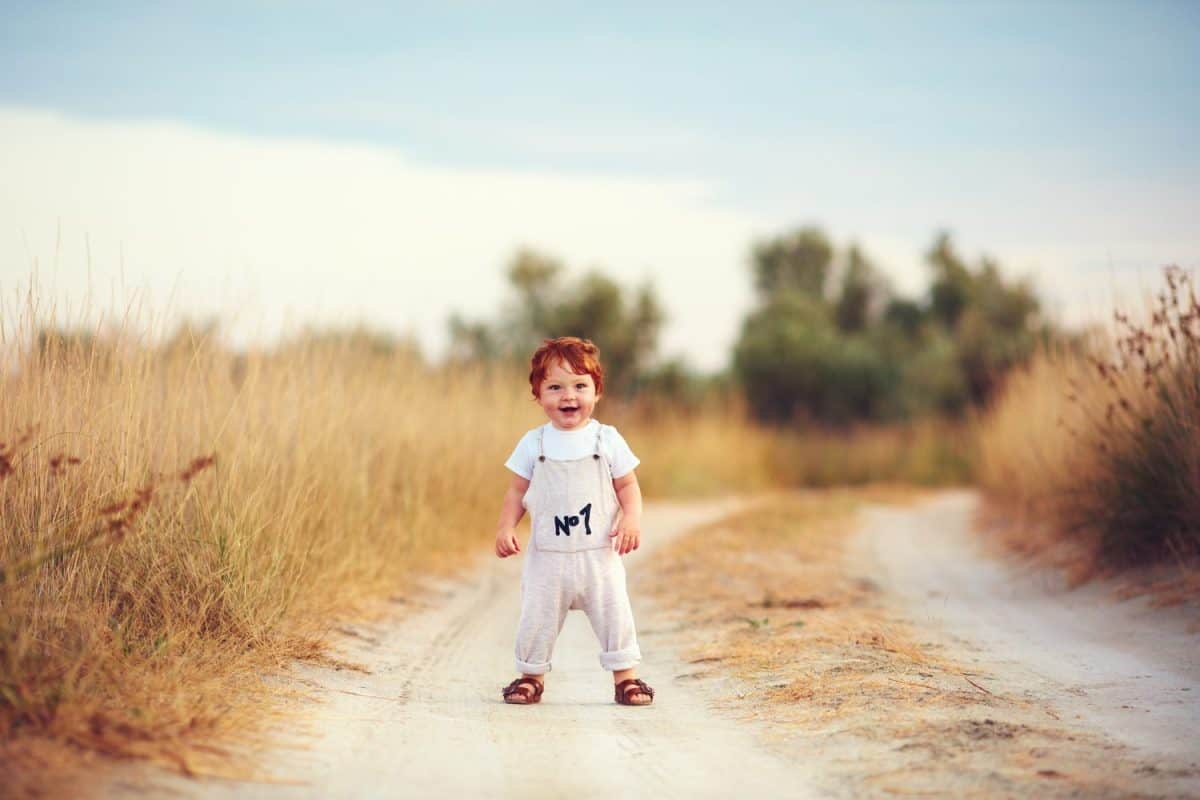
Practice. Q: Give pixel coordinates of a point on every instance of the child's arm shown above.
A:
(511, 512)
(628, 532)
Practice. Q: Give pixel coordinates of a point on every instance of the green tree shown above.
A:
(624, 323)
(794, 363)
(626, 330)
(861, 293)
(795, 262)
(932, 381)
(800, 355)
(950, 291)
(994, 323)
(535, 277)
(862, 353)
(904, 316)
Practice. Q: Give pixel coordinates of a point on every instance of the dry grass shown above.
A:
(146, 593)
(719, 450)
(773, 586)
(180, 522)
(929, 452)
(1104, 448)
(776, 610)
(714, 452)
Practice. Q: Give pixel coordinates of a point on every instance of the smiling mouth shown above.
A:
(569, 409)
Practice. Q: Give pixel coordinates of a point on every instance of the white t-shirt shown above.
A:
(568, 445)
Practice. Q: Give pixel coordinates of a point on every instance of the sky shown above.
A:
(276, 163)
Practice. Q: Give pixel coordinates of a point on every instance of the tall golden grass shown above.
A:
(1105, 444)
(719, 450)
(179, 520)
(334, 473)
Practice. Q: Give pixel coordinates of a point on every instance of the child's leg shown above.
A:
(544, 607)
(606, 603)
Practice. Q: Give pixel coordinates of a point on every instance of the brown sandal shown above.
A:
(631, 686)
(518, 692)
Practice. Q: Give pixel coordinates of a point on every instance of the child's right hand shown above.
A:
(507, 544)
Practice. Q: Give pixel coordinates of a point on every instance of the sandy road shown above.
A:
(1123, 668)
(428, 721)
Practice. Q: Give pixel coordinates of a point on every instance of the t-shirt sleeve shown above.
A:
(621, 458)
(521, 460)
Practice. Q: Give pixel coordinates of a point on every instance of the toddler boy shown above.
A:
(576, 478)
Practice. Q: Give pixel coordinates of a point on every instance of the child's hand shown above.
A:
(507, 544)
(628, 536)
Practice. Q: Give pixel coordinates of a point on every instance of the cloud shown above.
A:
(273, 229)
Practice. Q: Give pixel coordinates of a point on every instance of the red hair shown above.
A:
(581, 355)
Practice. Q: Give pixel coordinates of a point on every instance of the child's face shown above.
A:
(567, 398)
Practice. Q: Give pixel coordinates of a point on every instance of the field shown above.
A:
(181, 520)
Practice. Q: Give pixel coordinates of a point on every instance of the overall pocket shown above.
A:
(570, 529)
(572, 505)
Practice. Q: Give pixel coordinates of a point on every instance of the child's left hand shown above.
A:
(628, 536)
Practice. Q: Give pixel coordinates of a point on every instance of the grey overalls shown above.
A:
(571, 563)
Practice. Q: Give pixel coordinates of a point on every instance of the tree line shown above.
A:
(829, 339)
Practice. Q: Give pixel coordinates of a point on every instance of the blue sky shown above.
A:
(1118, 82)
(1056, 136)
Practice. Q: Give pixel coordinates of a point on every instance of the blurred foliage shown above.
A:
(794, 362)
(830, 340)
(850, 349)
(862, 294)
(71, 346)
(360, 339)
(676, 380)
(623, 323)
(191, 336)
(795, 262)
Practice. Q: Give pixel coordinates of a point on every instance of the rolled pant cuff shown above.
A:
(621, 659)
(532, 669)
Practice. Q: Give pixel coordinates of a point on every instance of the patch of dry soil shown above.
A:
(888, 656)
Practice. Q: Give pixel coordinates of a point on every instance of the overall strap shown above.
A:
(599, 433)
(541, 452)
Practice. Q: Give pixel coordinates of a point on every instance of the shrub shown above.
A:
(1106, 446)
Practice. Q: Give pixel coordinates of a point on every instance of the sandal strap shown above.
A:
(633, 686)
(641, 684)
(518, 685)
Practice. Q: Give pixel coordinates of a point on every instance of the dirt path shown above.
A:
(1123, 668)
(428, 720)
